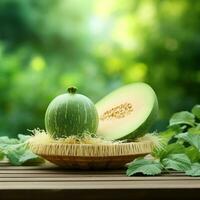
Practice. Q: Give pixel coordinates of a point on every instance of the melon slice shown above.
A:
(127, 112)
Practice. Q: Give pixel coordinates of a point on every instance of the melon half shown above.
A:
(127, 112)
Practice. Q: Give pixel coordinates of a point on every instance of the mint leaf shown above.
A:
(192, 139)
(167, 135)
(23, 138)
(174, 148)
(177, 128)
(194, 130)
(18, 151)
(178, 162)
(1, 155)
(144, 166)
(193, 154)
(4, 140)
(194, 171)
(196, 111)
(20, 154)
(29, 158)
(182, 118)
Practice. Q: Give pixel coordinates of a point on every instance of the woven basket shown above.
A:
(90, 156)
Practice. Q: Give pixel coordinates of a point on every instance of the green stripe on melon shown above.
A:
(71, 114)
(127, 112)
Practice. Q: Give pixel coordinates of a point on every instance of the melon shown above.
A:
(127, 112)
(71, 114)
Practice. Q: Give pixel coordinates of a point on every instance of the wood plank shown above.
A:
(46, 165)
(87, 179)
(35, 170)
(53, 182)
(95, 176)
(68, 174)
(61, 172)
(51, 167)
(3, 175)
(57, 171)
(56, 177)
(101, 185)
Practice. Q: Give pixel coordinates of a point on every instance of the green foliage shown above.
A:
(17, 151)
(178, 162)
(144, 166)
(183, 117)
(1, 155)
(193, 154)
(196, 111)
(195, 130)
(181, 149)
(166, 150)
(192, 139)
(20, 154)
(195, 170)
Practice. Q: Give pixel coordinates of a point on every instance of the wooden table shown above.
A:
(51, 182)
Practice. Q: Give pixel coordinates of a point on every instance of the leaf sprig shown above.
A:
(17, 151)
(181, 151)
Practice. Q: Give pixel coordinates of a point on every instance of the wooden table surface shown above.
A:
(50, 182)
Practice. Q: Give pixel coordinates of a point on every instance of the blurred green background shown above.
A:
(96, 45)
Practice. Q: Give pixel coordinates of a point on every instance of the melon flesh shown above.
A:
(127, 112)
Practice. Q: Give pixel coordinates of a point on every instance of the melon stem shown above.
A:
(72, 90)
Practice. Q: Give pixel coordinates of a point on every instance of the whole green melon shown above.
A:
(71, 114)
(128, 112)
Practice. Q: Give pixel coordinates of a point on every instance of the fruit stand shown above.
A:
(50, 182)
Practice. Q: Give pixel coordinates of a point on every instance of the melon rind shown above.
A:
(144, 128)
(71, 114)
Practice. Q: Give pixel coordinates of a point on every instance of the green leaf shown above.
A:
(23, 138)
(144, 166)
(192, 139)
(6, 140)
(194, 130)
(29, 158)
(177, 128)
(196, 111)
(178, 162)
(17, 151)
(194, 171)
(21, 154)
(182, 118)
(2, 155)
(193, 154)
(167, 135)
(174, 148)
